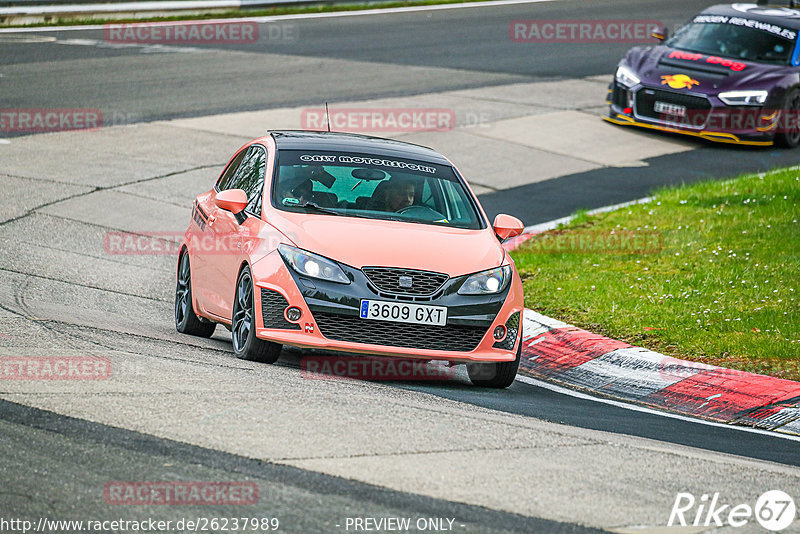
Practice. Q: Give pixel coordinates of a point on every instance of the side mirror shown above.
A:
(506, 226)
(233, 200)
(662, 34)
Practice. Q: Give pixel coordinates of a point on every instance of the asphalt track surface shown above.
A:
(304, 501)
(449, 49)
(453, 49)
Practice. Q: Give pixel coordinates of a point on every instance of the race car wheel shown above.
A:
(186, 321)
(494, 375)
(789, 136)
(243, 326)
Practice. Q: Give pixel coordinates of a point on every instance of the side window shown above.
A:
(427, 195)
(224, 181)
(457, 201)
(250, 177)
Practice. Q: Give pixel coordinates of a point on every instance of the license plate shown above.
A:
(666, 108)
(401, 312)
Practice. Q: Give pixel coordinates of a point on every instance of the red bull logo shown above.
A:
(679, 81)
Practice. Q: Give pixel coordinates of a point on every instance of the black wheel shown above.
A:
(243, 326)
(494, 375)
(789, 123)
(186, 321)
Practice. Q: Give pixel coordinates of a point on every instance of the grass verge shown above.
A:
(76, 20)
(708, 272)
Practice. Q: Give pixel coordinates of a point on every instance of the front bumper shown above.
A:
(707, 117)
(330, 317)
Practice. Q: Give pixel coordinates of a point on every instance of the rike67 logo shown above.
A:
(774, 510)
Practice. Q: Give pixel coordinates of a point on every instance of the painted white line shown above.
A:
(5, 142)
(26, 39)
(144, 48)
(299, 16)
(651, 411)
(550, 225)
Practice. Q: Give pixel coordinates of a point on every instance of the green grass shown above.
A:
(724, 288)
(237, 13)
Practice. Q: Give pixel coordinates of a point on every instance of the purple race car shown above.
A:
(731, 75)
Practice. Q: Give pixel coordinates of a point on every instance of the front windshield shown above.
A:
(377, 187)
(734, 41)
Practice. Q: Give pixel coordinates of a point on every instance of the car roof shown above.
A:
(347, 142)
(773, 14)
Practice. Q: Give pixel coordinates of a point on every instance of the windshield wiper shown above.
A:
(317, 207)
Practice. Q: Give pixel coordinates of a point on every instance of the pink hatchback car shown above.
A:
(354, 244)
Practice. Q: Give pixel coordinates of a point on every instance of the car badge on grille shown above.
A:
(405, 281)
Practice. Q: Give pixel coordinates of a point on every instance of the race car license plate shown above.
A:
(666, 108)
(401, 312)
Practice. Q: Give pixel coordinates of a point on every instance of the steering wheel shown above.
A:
(422, 212)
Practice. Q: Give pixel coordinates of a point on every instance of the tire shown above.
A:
(494, 375)
(246, 345)
(186, 321)
(790, 115)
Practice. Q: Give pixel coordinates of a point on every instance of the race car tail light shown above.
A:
(273, 305)
(512, 329)
(293, 314)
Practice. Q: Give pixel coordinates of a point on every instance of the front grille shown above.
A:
(353, 329)
(387, 279)
(512, 330)
(272, 306)
(697, 107)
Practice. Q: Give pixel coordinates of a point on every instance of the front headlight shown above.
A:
(626, 77)
(487, 282)
(744, 98)
(313, 265)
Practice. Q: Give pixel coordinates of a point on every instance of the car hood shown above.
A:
(362, 242)
(653, 64)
